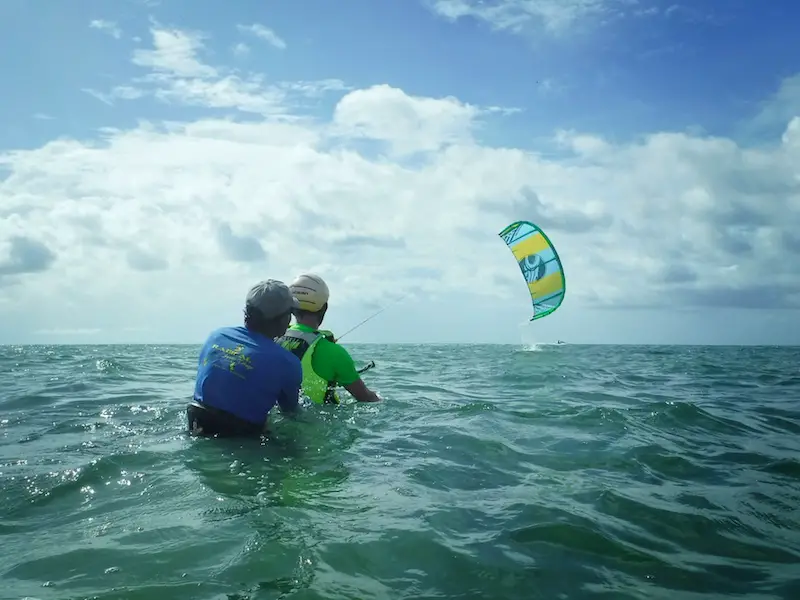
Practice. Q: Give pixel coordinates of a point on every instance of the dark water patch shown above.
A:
(781, 421)
(685, 417)
(667, 465)
(724, 535)
(458, 573)
(450, 476)
(789, 468)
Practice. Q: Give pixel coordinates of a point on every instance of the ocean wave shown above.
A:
(580, 472)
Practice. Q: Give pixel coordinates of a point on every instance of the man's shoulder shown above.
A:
(227, 331)
(255, 344)
(220, 334)
(335, 352)
(335, 346)
(288, 356)
(276, 360)
(277, 352)
(290, 364)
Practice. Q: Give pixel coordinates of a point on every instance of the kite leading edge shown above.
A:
(540, 265)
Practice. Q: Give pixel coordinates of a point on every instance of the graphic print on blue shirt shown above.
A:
(246, 374)
(235, 357)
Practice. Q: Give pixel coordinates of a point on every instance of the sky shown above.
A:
(157, 158)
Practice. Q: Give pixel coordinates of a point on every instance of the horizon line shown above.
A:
(429, 343)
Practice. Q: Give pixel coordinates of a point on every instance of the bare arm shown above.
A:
(361, 392)
(346, 371)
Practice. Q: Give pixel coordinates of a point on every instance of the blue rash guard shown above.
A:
(245, 374)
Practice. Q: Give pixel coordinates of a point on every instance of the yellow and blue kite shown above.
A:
(540, 265)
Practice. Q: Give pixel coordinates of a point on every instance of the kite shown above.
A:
(540, 266)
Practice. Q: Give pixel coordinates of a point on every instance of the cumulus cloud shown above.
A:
(243, 248)
(780, 108)
(167, 218)
(26, 255)
(406, 123)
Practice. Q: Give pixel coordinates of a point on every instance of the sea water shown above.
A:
(508, 472)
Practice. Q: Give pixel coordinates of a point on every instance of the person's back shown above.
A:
(326, 364)
(242, 373)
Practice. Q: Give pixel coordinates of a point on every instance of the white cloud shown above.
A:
(515, 15)
(781, 107)
(177, 75)
(174, 54)
(121, 92)
(559, 17)
(110, 27)
(265, 33)
(407, 123)
(241, 49)
(167, 224)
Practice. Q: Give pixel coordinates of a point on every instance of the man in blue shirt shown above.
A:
(242, 373)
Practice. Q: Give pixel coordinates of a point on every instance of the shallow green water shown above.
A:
(489, 472)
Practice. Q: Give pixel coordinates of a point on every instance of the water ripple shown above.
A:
(490, 471)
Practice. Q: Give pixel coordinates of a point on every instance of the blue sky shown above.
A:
(159, 157)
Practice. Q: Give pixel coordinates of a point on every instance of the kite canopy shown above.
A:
(540, 266)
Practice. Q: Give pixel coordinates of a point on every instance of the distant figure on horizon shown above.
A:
(326, 364)
(242, 373)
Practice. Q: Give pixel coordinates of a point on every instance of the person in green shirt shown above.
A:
(325, 363)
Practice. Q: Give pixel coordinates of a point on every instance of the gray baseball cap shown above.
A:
(271, 298)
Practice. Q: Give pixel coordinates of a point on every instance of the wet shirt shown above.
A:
(246, 374)
(331, 361)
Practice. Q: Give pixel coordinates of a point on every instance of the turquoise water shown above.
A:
(553, 472)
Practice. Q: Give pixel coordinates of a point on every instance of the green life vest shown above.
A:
(302, 344)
